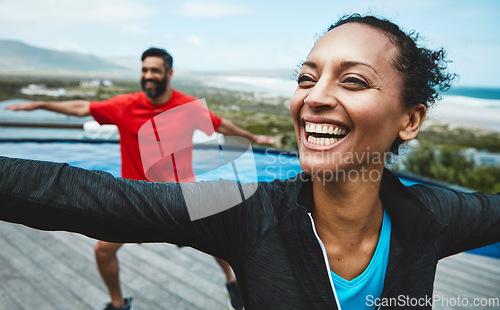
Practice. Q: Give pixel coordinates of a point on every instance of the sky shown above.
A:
(215, 35)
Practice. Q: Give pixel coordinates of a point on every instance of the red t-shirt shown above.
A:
(129, 112)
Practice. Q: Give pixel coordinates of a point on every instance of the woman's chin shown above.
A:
(319, 169)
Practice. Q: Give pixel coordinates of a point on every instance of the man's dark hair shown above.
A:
(159, 52)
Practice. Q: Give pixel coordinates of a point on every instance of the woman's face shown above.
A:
(347, 110)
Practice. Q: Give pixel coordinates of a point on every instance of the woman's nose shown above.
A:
(322, 96)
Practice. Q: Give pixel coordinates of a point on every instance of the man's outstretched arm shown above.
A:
(229, 129)
(71, 107)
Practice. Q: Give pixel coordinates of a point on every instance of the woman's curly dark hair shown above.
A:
(423, 70)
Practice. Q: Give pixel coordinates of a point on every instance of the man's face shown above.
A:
(154, 80)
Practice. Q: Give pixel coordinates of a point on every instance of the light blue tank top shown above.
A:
(360, 292)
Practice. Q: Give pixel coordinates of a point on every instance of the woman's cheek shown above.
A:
(294, 105)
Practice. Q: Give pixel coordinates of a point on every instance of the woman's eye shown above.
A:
(304, 80)
(354, 83)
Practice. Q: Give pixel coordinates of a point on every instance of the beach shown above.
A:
(270, 86)
(466, 112)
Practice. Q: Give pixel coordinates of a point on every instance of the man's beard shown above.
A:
(161, 87)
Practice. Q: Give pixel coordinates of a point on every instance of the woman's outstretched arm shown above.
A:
(55, 196)
(472, 219)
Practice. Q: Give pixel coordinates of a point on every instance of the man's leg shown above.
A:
(232, 286)
(228, 272)
(107, 264)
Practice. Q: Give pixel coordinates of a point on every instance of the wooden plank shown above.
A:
(146, 274)
(82, 249)
(200, 263)
(9, 297)
(57, 271)
(475, 274)
(18, 283)
(464, 277)
(180, 280)
(51, 268)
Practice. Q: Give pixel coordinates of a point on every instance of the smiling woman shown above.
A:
(341, 235)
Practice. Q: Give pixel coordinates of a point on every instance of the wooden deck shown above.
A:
(56, 270)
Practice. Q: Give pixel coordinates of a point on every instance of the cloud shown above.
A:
(61, 12)
(89, 26)
(196, 40)
(210, 9)
(136, 29)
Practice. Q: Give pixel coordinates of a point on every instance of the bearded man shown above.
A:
(129, 112)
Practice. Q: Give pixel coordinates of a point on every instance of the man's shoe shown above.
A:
(127, 306)
(233, 294)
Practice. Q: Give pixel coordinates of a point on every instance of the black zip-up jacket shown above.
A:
(269, 239)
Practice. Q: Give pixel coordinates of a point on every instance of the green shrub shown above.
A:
(450, 165)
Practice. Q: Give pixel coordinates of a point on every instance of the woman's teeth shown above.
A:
(324, 134)
(322, 141)
(326, 129)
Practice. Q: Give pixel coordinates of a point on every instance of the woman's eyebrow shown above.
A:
(309, 64)
(350, 63)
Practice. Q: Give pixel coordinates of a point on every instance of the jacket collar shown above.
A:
(411, 218)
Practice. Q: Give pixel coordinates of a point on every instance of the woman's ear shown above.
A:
(416, 116)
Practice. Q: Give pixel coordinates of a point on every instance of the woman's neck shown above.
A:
(348, 217)
(347, 210)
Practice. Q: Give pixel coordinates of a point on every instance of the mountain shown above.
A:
(18, 56)
(132, 63)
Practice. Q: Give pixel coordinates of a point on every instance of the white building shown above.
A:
(42, 90)
(96, 83)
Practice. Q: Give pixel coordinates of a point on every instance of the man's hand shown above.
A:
(229, 129)
(24, 106)
(72, 107)
(261, 139)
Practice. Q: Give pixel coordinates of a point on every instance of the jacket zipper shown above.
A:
(325, 257)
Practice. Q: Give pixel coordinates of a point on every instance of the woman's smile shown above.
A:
(322, 135)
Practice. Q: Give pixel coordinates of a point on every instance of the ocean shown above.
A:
(475, 92)
(271, 86)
